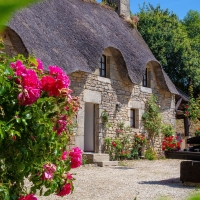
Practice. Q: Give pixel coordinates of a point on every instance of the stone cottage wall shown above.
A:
(107, 92)
(9, 49)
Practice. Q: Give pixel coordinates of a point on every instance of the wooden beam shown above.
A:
(179, 112)
(178, 104)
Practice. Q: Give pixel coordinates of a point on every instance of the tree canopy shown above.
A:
(172, 43)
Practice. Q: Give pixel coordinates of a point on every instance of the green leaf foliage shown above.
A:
(171, 42)
(8, 7)
(152, 119)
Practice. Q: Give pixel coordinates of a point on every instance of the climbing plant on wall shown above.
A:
(152, 119)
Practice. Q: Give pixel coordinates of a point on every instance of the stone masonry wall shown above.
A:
(107, 92)
(9, 49)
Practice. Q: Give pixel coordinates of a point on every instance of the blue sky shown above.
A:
(179, 7)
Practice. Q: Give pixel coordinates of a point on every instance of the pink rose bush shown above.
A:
(37, 115)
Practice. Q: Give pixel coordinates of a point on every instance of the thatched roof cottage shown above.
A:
(110, 65)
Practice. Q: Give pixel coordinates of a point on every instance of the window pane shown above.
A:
(132, 118)
(103, 66)
(103, 59)
(131, 114)
(131, 123)
(144, 83)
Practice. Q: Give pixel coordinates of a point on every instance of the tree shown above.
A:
(169, 42)
(191, 23)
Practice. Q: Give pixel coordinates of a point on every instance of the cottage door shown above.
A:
(89, 127)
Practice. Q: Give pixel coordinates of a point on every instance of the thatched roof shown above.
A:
(73, 35)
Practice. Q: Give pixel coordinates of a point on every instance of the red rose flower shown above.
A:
(114, 144)
(187, 113)
(66, 189)
(47, 83)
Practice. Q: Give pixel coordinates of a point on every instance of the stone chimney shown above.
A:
(123, 8)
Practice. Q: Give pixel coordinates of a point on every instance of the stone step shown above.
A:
(96, 157)
(107, 163)
(101, 157)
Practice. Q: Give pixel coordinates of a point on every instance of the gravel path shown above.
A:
(146, 180)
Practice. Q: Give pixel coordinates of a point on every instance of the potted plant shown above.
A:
(170, 144)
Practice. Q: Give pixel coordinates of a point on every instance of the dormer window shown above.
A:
(103, 66)
(146, 82)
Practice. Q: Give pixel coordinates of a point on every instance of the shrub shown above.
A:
(150, 154)
(192, 110)
(125, 146)
(197, 132)
(117, 148)
(167, 130)
(37, 114)
(152, 119)
(139, 141)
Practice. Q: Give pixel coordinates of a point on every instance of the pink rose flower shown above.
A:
(47, 175)
(57, 87)
(30, 79)
(28, 197)
(49, 170)
(54, 83)
(64, 155)
(55, 71)
(28, 96)
(62, 80)
(76, 157)
(66, 189)
(30, 84)
(60, 125)
(47, 83)
(19, 68)
(40, 65)
(69, 176)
